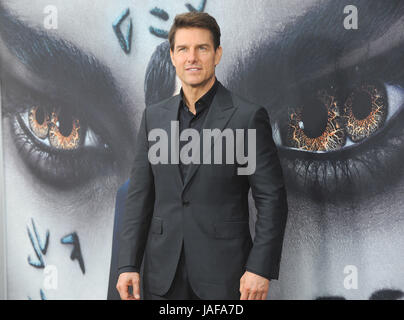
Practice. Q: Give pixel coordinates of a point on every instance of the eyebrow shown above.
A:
(52, 58)
(309, 43)
(198, 45)
(71, 73)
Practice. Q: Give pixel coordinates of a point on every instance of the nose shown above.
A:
(192, 56)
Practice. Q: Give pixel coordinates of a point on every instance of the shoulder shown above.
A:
(153, 112)
(245, 107)
(162, 104)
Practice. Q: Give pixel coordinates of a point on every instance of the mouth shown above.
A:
(193, 69)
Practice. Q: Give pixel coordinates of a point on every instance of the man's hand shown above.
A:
(125, 280)
(253, 287)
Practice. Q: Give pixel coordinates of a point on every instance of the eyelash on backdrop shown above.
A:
(338, 149)
(55, 139)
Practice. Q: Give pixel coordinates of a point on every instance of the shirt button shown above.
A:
(185, 203)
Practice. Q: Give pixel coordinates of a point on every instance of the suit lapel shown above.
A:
(219, 114)
(171, 114)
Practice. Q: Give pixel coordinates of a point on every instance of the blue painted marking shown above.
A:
(40, 248)
(43, 297)
(67, 239)
(158, 32)
(73, 239)
(125, 42)
(200, 8)
(160, 13)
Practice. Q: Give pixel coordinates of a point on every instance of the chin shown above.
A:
(197, 82)
(194, 83)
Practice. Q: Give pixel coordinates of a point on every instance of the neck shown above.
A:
(193, 94)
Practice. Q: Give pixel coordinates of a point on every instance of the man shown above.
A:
(190, 221)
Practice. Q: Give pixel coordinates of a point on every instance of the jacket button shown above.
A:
(185, 203)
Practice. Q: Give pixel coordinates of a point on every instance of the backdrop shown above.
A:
(76, 75)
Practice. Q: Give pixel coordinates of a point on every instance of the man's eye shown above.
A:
(325, 122)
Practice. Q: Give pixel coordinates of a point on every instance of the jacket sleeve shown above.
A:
(269, 194)
(138, 207)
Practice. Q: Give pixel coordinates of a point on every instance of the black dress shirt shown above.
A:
(195, 121)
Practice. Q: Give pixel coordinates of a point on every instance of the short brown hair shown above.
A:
(195, 20)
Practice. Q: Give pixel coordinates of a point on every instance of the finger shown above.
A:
(244, 294)
(252, 295)
(136, 289)
(123, 292)
(264, 295)
(131, 297)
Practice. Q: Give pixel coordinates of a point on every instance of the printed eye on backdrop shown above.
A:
(365, 111)
(343, 140)
(57, 144)
(68, 118)
(331, 151)
(60, 131)
(325, 122)
(316, 125)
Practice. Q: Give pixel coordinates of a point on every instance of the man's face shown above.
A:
(194, 56)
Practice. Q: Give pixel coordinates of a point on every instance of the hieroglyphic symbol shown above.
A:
(40, 247)
(163, 15)
(124, 41)
(200, 8)
(73, 239)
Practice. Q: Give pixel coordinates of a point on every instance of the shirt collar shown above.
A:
(205, 101)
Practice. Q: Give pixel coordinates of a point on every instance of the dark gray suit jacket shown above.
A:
(209, 212)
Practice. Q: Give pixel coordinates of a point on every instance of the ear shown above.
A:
(172, 57)
(218, 55)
